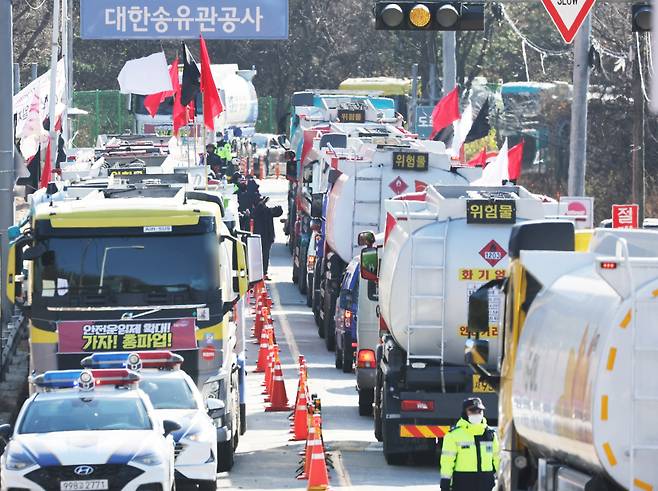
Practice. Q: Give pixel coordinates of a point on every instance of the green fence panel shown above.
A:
(108, 113)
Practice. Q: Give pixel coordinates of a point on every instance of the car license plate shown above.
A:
(83, 485)
(480, 385)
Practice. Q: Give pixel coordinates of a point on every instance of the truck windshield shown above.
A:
(79, 414)
(131, 264)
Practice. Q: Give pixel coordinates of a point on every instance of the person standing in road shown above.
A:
(213, 160)
(470, 452)
(264, 226)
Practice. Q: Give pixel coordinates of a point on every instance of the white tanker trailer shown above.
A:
(435, 255)
(578, 391)
(355, 202)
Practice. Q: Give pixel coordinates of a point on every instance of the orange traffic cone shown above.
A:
(258, 323)
(279, 399)
(318, 477)
(306, 459)
(261, 168)
(263, 352)
(269, 369)
(300, 421)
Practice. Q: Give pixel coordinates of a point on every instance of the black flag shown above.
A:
(191, 85)
(445, 135)
(481, 126)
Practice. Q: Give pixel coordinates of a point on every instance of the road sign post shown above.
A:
(568, 15)
(625, 216)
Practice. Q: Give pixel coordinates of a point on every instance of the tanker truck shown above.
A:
(577, 391)
(436, 253)
(236, 90)
(317, 109)
(355, 203)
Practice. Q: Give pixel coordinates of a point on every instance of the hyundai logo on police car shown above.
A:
(84, 470)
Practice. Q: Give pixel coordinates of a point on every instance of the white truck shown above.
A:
(435, 255)
(355, 203)
(578, 392)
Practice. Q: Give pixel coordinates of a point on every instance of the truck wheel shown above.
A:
(338, 359)
(389, 436)
(366, 398)
(302, 280)
(347, 354)
(295, 271)
(329, 333)
(243, 419)
(377, 410)
(224, 456)
(309, 291)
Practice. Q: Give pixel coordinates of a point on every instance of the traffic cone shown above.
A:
(279, 399)
(263, 351)
(300, 421)
(269, 369)
(258, 324)
(306, 459)
(318, 477)
(261, 168)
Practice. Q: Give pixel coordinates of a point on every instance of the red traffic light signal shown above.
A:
(409, 15)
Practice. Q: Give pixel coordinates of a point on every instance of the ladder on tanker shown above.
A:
(358, 227)
(644, 397)
(416, 325)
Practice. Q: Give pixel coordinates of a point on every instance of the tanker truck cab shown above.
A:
(436, 254)
(126, 269)
(578, 343)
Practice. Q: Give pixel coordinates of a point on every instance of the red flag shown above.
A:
(514, 161)
(445, 112)
(479, 160)
(152, 102)
(179, 112)
(212, 104)
(47, 169)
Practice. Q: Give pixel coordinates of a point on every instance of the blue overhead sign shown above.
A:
(175, 19)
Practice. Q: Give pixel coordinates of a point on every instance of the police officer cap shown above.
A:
(473, 402)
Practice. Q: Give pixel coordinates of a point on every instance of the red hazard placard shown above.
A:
(398, 186)
(625, 216)
(493, 253)
(568, 15)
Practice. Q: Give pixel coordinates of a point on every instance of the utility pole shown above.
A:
(52, 99)
(34, 71)
(17, 78)
(449, 61)
(6, 145)
(413, 101)
(637, 152)
(578, 137)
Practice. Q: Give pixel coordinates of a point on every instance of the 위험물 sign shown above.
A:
(187, 19)
(485, 211)
(351, 115)
(410, 161)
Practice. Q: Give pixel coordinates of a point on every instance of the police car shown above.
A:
(88, 429)
(175, 397)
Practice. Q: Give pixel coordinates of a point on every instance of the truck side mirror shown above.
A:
(34, 252)
(366, 238)
(369, 263)
(317, 200)
(478, 311)
(476, 351)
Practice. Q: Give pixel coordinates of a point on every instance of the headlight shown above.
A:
(149, 459)
(18, 460)
(200, 434)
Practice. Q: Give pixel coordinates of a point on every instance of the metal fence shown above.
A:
(108, 113)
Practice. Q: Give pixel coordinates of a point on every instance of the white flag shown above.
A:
(145, 76)
(497, 171)
(461, 129)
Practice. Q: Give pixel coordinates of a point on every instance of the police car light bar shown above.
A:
(84, 379)
(133, 360)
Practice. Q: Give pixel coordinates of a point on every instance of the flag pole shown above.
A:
(52, 100)
(205, 164)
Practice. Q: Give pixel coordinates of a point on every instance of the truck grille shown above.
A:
(50, 477)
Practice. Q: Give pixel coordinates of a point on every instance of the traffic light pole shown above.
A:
(637, 149)
(578, 137)
(6, 144)
(449, 42)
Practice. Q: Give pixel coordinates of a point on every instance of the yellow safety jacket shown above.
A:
(470, 455)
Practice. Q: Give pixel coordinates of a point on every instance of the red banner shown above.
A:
(126, 335)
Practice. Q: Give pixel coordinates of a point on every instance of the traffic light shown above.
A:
(641, 15)
(406, 15)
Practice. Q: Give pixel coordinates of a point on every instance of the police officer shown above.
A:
(469, 456)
